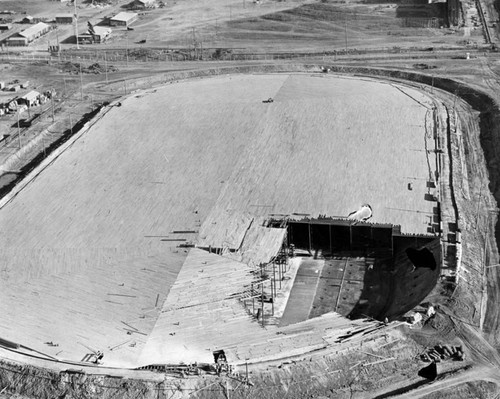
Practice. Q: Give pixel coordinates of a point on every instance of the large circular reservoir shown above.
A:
(142, 238)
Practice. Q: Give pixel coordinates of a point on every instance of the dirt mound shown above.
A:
(141, 54)
(23, 382)
(96, 68)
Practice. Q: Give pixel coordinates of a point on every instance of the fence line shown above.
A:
(134, 56)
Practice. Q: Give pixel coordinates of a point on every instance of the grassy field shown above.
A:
(93, 238)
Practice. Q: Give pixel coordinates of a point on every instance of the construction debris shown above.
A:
(74, 68)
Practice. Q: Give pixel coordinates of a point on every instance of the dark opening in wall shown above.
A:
(320, 236)
(340, 238)
(421, 258)
(298, 234)
(429, 372)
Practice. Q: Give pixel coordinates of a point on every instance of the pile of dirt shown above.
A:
(96, 68)
(143, 54)
(23, 381)
(423, 66)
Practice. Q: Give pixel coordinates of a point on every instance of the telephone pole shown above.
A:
(76, 27)
(52, 102)
(345, 31)
(81, 83)
(194, 45)
(106, 67)
(18, 130)
(126, 50)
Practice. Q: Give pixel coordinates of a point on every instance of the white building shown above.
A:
(123, 19)
(26, 36)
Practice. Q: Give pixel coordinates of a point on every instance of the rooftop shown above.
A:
(35, 29)
(31, 95)
(124, 16)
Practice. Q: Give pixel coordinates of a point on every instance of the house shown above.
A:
(95, 34)
(123, 19)
(143, 4)
(26, 36)
(14, 87)
(31, 99)
(4, 27)
(28, 19)
(64, 19)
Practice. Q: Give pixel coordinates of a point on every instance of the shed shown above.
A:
(123, 19)
(28, 19)
(31, 99)
(4, 27)
(64, 19)
(16, 41)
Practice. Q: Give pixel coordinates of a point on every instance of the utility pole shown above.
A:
(126, 50)
(52, 101)
(345, 31)
(106, 67)
(81, 82)
(70, 123)
(58, 44)
(262, 301)
(76, 27)
(18, 130)
(194, 45)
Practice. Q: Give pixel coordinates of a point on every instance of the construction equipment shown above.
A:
(443, 352)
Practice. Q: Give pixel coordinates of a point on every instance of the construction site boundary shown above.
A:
(482, 102)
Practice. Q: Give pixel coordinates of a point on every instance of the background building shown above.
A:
(123, 19)
(96, 34)
(143, 4)
(26, 36)
(64, 19)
